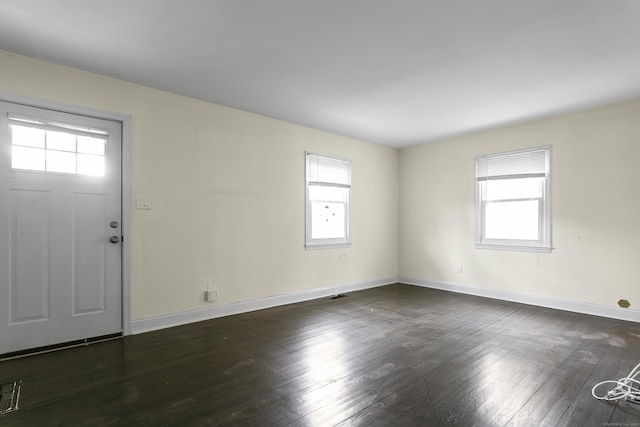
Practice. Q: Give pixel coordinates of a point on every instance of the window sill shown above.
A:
(315, 246)
(539, 249)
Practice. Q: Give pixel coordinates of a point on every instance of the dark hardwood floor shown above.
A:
(398, 355)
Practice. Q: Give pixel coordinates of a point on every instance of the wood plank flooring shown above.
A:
(397, 355)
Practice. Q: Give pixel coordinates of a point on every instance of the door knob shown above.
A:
(114, 224)
(114, 239)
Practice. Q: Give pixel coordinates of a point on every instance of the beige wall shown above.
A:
(228, 194)
(228, 201)
(595, 207)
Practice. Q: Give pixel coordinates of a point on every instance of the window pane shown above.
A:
(512, 220)
(90, 165)
(61, 141)
(61, 161)
(27, 136)
(327, 194)
(27, 158)
(328, 220)
(502, 189)
(89, 145)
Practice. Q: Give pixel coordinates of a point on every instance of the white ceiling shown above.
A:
(392, 72)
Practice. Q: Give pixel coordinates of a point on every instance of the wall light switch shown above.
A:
(143, 202)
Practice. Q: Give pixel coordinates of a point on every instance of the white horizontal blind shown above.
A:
(513, 165)
(328, 171)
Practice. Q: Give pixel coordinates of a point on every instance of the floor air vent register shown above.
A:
(9, 396)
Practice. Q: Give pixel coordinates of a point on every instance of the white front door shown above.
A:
(60, 227)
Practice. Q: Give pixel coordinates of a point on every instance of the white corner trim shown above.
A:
(538, 300)
(153, 323)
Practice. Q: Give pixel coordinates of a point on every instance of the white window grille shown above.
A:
(40, 145)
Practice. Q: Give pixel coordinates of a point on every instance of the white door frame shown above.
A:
(126, 182)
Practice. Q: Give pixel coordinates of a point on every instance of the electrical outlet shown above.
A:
(458, 268)
(211, 295)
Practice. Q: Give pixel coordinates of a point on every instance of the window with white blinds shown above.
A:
(328, 185)
(512, 200)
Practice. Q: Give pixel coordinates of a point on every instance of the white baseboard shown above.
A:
(541, 301)
(153, 323)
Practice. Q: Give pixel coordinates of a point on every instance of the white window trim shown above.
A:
(542, 245)
(311, 243)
